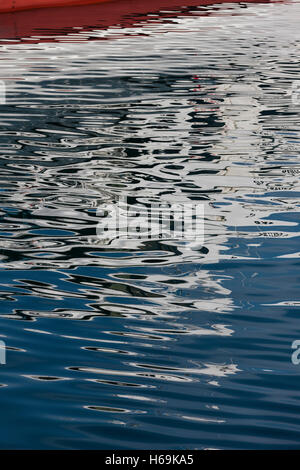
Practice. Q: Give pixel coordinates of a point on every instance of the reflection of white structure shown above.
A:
(167, 133)
(239, 110)
(240, 143)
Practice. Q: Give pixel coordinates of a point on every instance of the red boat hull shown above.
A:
(51, 22)
(13, 5)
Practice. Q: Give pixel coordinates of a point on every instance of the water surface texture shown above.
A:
(161, 344)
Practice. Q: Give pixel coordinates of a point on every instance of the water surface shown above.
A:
(163, 344)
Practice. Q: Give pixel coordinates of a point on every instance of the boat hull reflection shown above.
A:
(46, 23)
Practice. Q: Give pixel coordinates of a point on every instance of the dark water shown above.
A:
(160, 344)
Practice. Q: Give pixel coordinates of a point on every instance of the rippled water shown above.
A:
(161, 344)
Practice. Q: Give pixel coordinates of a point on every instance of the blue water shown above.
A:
(159, 344)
